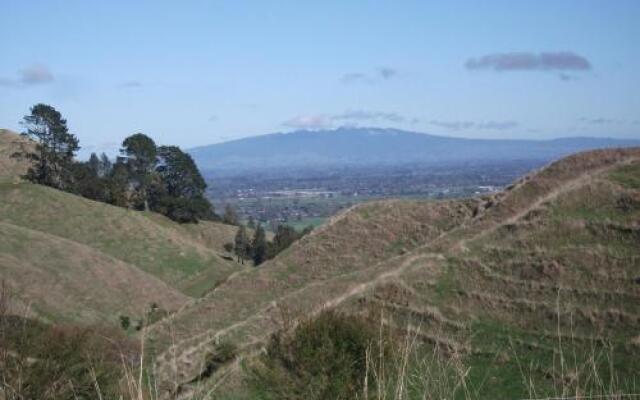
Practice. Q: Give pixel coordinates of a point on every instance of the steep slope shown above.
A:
(57, 279)
(376, 147)
(554, 256)
(180, 256)
(552, 264)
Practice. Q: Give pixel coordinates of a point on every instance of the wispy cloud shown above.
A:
(130, 84)
(487, 125)
(362, 115)
(550, 61)
(598, 121)
(453, 125)
(497, 125)
(567, 77)
(36, 74)
(347, 118)
(355, 77)
(317, 121)
(381, 74)
(387, 72)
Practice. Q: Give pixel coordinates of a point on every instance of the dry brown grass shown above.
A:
(425, 248)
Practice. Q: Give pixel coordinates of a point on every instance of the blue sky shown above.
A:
(199, 72)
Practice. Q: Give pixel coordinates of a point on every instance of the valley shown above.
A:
(309, 196)
(499, 283)
(329, 200)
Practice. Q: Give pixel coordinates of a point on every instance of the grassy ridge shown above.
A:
(76, 259)
(174, 254)
(491, 280)
(63, 280)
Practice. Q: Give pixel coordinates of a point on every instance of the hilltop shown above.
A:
(553, 257)
(380, 147)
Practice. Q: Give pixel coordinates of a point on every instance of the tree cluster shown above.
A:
(258, 248)
(145, 176)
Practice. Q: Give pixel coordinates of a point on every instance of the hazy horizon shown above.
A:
(205, 73)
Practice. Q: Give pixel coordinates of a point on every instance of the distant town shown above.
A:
(307, 197)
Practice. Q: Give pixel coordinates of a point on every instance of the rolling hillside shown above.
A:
(71, 258)
(554, 258)
(502, 283)
(380, 147)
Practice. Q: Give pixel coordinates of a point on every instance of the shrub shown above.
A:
(323, 358)
(38, 361)
(125, 322)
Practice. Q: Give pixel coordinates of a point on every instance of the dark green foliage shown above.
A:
(55, 147)
(183, 210)
(324, 358)
(251, 223)
(241, 244)
(284, 237)
(259, 246)
(125, 322)
(259, 249)
(60, 362)
(118, 185)
(221, 354)
(163, 179)
(179, 192)
(87, 183)
(99, 166)
(139, 152)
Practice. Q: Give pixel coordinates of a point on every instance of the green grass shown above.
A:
(509, 362)
(305, 222)
(163, 249)
(628, 176)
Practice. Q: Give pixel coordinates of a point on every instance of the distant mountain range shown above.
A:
(375, 146)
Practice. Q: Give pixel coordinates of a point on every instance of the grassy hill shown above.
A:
(498, 281)
(72, 258)
(531, 289)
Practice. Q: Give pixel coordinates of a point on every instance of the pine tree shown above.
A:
(118, 185)
(139, 153)
(180, 191)
(259, 246)
(241, 244)
(55, 147)
(284, 237)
